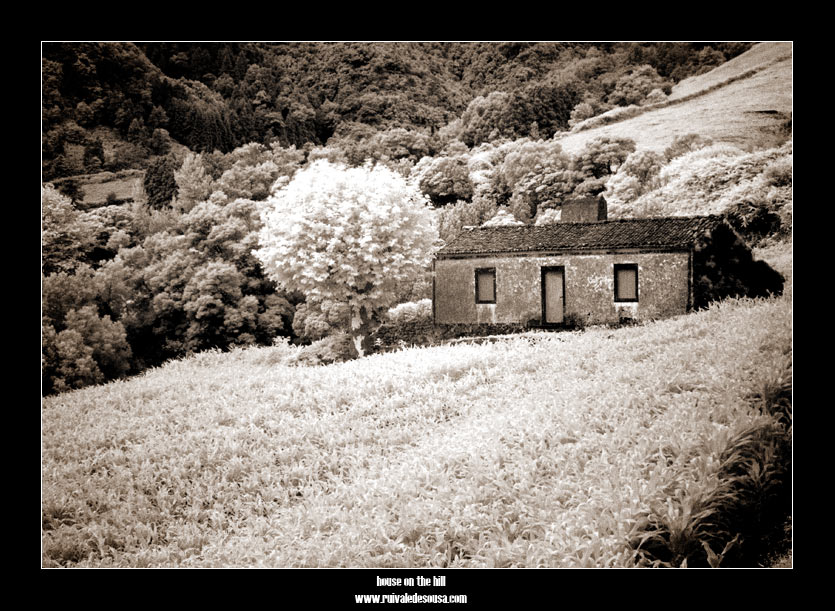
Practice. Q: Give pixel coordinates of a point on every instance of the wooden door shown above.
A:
(553, 295)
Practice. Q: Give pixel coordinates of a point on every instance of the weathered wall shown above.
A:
(589, 288)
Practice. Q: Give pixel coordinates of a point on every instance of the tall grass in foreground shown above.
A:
(558, 450)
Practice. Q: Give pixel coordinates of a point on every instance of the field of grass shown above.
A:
(99, 186)
(743, 102)
(543, 451)
(96, 187)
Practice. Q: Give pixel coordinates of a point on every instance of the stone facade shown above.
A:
(664, 288)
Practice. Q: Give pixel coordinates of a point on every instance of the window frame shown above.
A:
(478, 272)
(618, 267)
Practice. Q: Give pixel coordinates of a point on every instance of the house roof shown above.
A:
(654, 233)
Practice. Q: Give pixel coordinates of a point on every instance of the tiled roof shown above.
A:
(666, 232)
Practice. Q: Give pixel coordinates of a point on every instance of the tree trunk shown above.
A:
(362, 326)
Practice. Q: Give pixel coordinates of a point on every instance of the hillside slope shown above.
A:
(491, 455)
(745, 102)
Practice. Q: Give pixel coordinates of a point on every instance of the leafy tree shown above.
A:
(67, 235)
(107, 339)
(444, 179)
(347, 235)
(453, 218)
(317, 320)
(93, 154)
(633, 88)
(540, 191)
(195, 285)
(137, 132)
(598, 160)
(160, 142)
(67, 362)
(158, 118)
(160, 184)
(79, 346)
(580, 113)
(502, 218)
(250, 171)
(548, 216)
(248, 181)
(83, 114)
(639, 174)
(525, 178)
(194, 185)
(71, 189)
(545, 103)
(687, 143)
(486, 118)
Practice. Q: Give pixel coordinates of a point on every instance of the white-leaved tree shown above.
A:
(347, 235)
(194, 185)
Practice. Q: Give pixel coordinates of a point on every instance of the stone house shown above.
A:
(593, 272)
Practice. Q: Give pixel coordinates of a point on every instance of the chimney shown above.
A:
(584, 210)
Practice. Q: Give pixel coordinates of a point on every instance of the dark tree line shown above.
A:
(218, 96)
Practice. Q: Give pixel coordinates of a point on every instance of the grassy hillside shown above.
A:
(553, 450)
(744, 102)
(96, 188)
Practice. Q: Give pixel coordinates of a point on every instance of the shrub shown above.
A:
(638, 175)
(688, 143)
(332, 349)
(67, 235)
(416, 311)
(316, 320)
(444, 179)
(634, 88)
(549, 216)
(503, 217)
(753, 221)
(711, 180)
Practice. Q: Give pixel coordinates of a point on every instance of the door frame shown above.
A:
(544, 270)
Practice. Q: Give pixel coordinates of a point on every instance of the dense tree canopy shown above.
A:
(218, 96)
(347, 235)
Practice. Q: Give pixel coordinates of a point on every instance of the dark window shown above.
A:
(626, 282)
(485, 285)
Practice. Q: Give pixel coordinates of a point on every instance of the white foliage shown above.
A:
(350, 235)
(548, 216)
(503, 217)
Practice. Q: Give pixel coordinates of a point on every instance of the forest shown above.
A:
(218, 96)
(216, 129)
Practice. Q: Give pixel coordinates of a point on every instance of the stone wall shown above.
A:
(663, 288)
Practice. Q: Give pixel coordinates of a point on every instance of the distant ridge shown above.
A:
(745, 102)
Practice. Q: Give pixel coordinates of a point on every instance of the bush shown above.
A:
(753, 221)
(634, 88)
(67, 235)
(688, 143)
(315, 320)
(90, 350)
(332, 349)
(416, 311)
(502, 218)
(453, 218)
(548, 216)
